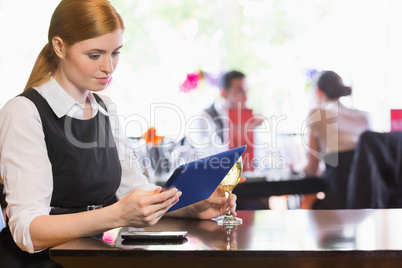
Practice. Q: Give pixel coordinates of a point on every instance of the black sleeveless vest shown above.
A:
(85, 166)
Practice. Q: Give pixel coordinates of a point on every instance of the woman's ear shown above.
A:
(223, 93)
(59, 47)
(319, 93)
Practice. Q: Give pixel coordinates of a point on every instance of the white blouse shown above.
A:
(24, 163)
(337, 128)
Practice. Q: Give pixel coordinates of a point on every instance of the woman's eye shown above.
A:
(116, 53)
(93, 56)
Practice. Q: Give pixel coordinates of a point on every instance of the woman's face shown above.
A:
(89, 64)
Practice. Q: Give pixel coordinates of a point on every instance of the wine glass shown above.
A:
(227, 184)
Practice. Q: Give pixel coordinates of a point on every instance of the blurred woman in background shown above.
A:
(334, 131)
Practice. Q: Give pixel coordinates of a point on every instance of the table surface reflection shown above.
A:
(295, 238)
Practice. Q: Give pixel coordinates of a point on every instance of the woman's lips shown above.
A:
(103, 80)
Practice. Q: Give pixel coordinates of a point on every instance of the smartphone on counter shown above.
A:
(147, 235)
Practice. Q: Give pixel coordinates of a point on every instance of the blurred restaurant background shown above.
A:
(175, 52)
(173, 56)
(278, 44)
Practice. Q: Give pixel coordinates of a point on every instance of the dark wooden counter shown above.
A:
(291, 238)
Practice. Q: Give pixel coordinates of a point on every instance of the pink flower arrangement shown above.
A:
(191, 82)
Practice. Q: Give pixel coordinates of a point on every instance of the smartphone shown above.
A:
(147, 235)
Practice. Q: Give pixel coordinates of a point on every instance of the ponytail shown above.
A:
(45, 65)
(346, 91)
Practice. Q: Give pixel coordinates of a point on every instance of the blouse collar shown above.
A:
(63, 104)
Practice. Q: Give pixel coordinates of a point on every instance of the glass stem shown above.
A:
(228, 212)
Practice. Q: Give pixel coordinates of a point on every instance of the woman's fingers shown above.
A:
(162, 201)
(159, 214)
(242, 179)
(222, 201)
(157, 197)
(233, 204)
(161, 209)
(147, 207)
(165, 204)
(158, 190)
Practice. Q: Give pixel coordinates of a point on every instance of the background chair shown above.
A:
(336, 180)
(376, 174)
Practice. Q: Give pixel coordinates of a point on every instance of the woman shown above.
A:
(60, 145)
(334, 131)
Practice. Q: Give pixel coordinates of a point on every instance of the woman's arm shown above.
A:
(139, 209)
(25, 168)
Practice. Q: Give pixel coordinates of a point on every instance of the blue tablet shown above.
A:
(198, 180)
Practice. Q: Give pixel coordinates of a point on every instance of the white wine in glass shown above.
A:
(227, 184)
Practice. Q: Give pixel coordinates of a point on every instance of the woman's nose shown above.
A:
(107, 65)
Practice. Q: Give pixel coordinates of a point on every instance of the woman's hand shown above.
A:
(210, 208)
(138, 209)
(143, 208)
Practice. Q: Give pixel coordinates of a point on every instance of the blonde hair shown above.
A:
(73, 21)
